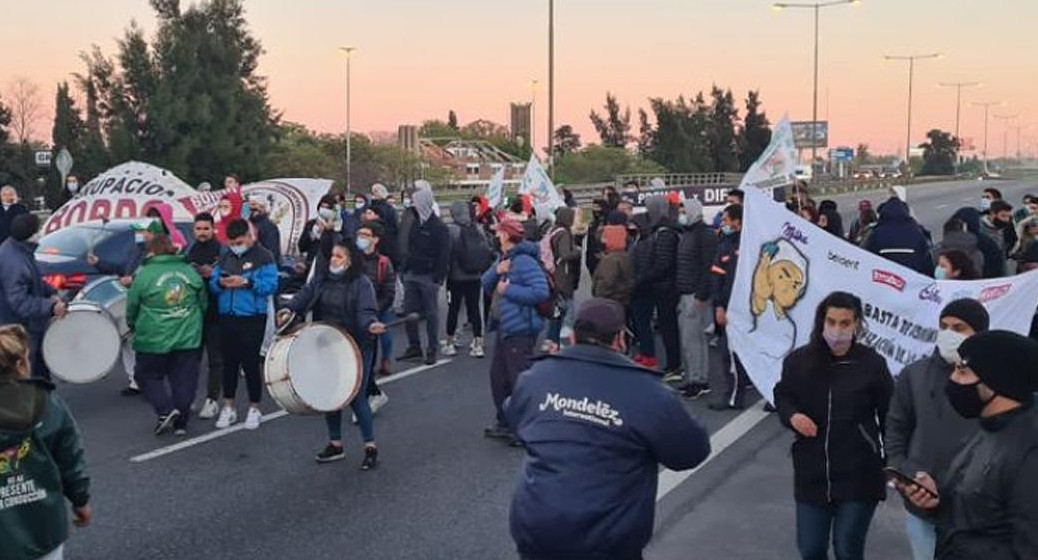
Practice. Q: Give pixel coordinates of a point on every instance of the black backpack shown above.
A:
(474, 255)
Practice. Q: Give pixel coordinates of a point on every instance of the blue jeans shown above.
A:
(386, 339)
(922, 536)
(567, 316)
(848, 523)
(359, 405)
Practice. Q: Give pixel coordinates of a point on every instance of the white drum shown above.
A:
(84, 345)
(314, 369)
(110, 295)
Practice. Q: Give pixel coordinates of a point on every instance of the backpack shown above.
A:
(381, 270)
(546, 307)
(474, 256)
(548, 254)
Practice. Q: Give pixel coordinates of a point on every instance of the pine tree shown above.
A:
(66, 134)
(8, 153)
(452, 120)
(755, 133)
(721, 131)
(615, 128)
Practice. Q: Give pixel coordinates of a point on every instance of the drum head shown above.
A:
(111, 296)
(325, 367)
(83, 346)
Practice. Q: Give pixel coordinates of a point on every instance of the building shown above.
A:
(522, 123)
(471, 162)
(407, 137)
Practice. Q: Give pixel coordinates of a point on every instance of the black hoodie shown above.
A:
(994, 259)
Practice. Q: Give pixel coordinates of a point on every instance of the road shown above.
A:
(442, 490)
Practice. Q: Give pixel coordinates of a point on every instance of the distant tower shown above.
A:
(521, 123)
(407, 137)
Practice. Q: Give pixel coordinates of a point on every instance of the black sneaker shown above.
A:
(430, 357)
(331, 453)
(165, 422)
(370, 459)
(130, 391)
(695, 390)
(768, 407)
(498, 431)
(411, 353)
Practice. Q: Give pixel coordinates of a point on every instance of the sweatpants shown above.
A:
(213, 358)
(694, 317)
(180, 368)
(728, 383)
(359, 405)
(511, 357)
(421, 295)
(467, 292)
(241, 339)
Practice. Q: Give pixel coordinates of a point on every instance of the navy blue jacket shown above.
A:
(596, 428)
(527, 287)
(24, 296)
(723, 270)
(7, 216)
(269, 236)
(429, 249)
(899, 238)
(347, 301)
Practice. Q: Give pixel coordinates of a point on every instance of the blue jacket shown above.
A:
(7, 216)
(527, 287)
(723, 271)
(24, 296)
(899, 238)
(257, 266)
(596, 428)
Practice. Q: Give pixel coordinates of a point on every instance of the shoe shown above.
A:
(227, 417)
(209, 410)
(165, 422)
(430, 357)
(695, 390)
(673, 377)
(331, 453)
(130, 391)
(377, 401)
(254, 419)
(476, 348)
(180, 432)
(370, 459)
(768, 407)
(411, 353)
(498, 431)
(449, 349)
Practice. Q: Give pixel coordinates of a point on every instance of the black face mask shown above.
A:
(965, 399)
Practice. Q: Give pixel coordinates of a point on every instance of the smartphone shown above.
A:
(896, 475)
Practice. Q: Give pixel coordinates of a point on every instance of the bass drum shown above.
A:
(111, 296)
(314, 369)
(84, 345)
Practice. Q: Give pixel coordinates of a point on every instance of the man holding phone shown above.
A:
(204, 254)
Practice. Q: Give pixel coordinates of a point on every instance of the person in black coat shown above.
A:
(11, 210)
(267, 234)
(899, 238)
(994, 259)
(390, 222)
(203, 255)
(424, 271)
(655, 263)
(834, 395)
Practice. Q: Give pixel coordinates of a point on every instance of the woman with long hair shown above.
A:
(955, 265)
(834, 395)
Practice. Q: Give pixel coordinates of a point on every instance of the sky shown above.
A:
(418, 59)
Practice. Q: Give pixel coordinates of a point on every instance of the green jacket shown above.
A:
(41, 465)
(165, 306)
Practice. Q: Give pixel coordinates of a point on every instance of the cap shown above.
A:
(152, 226)
(1004, 361)
(511, 227)
(604, 317)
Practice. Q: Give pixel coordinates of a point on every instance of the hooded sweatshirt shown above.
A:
(44, 466)
(899, 238)
(994, 259)
(696, 251)
(235, 198)
(462, 218)
(655, 256)
(166, 214)
(566, 253)
(429, 242)
(614, 276)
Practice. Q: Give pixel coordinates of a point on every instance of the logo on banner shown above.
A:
(790, 232)
(889, 279)
(932, 294)
(779, 282)
(994, 292)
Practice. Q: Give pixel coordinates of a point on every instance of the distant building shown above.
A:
(407, 137)
(522, 123)
(471, 162)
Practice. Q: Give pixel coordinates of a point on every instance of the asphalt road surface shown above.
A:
(442, 491)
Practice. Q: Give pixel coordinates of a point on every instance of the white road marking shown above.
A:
(204, 438)
(721, 440)
(939, 206)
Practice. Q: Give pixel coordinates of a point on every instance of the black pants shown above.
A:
(728, 383)
(666, 304)
(241, 340)
(213, 357)
(511, 357)
(181, 369)
(466, 291)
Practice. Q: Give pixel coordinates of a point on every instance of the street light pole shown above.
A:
(986, 105)
(1005, 134)
(958, 100)
(533, 115)
(551, 89)
(817, 7)
(349, 55)
(911, 74)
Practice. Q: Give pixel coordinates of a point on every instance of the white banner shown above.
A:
(127, 191)
(496, 190)
(538, 185)
(776, 166)
(787, 266)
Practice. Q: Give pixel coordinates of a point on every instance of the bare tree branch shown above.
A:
(25, 107)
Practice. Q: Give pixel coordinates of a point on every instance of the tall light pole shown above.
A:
(958, 99)
(1018, 129)
(348, 51)
(911, 73)
(1005, 134)
(533, 115)
(987, 106)
(551, 89)
(817, 7)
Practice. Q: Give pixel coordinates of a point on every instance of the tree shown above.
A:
(679, 141)
(646, 135)
(67, 133)
(602, 163)
(25, 108)
(940, 153)
(452, 120)
(862, 155)
(615, 128)
(437, 129)
(7, 151)
(721, 131)
(755, 133)
(566, 141)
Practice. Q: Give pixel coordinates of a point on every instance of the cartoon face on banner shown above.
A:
(779, 282)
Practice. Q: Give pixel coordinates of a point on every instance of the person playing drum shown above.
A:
(344, 297)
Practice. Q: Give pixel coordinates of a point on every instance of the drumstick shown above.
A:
(411, 318)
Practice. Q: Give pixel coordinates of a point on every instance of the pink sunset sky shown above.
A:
(420, 58)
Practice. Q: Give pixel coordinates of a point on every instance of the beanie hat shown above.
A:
(1004, 361)
(24, 227)
(969, 311)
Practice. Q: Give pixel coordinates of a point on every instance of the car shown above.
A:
(804, 173)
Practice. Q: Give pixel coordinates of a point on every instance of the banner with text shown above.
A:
(787, 266)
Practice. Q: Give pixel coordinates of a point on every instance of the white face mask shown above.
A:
(948, 342)
(336, 270)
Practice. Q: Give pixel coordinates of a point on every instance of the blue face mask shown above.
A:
(727, 230)
(683, 219)
(326, 214)
(138, 238)
(940, 274)
(363, 243)
(985, 204)
(239, 249)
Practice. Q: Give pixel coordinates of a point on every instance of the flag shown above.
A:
(496, 190)
(776, 166)
(538, 185)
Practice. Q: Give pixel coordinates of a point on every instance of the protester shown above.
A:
(614, 276)
(599, 209)
(955, 265)
(860, 221)
(958, 238)
(988, 197)
(25, 299)
(560, 247)
(390, 222)
(997, 224)
(1028, 208)
(696, 251)
(164, 308)
(730, 386)
(655, 262)
(923, 432)
(244, 280)
(986, 502)
(43, 451)
(899, 238)
(829, 218)
(424, 270)
(319, 232)
(611, 197)
(809, 213)
(834, 395)
(470, 257)
(574, 504)
(519, 285)
(163, 212)
(267, 234)
(11, 209)
(994, 265)
(345, 297)
(204, 254)
(734, 196)
(70, 191)
(1027, 233)
(229, 208)
(380, 272)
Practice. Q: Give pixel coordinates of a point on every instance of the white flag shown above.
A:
(538, 185)
(496, 190)
(776, 166)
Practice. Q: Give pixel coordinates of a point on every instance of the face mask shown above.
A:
(683, 219)
(363, 244)
(138, 238)
(359, 205)
(407, 203)
(239, 249)
(940, 274)
(326, 214)
(948, 342)
(838, 341)
(985, 204)
(336, 270)
(727, 230)
(246, 212)
(965, 399)
(73, 188)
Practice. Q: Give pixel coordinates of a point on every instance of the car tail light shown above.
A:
(66, 282)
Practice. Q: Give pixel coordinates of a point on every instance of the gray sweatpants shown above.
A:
(693, 319)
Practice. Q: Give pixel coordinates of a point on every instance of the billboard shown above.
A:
(802, 134)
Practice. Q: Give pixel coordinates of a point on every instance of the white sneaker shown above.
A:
(476, 349)
(254, 419)
(378, 401)
(227, 417)
(210, 409)
(449, 349)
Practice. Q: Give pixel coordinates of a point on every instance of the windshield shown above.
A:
(73, 242)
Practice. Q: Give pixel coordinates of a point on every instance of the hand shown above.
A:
(504, 266)
(126, 281)
(205, 271)
(81, 516)
(377, 328)
(60, 309)
(770, 249)
(236, 281)
(720, 317)
(918, 494)
(804, 425)
(299, 268)
(92, 259)
(502, 286)
(282, 317)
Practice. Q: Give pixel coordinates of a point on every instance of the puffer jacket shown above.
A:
(461, 218)
(347, 300)
(257, 266)
(899, 238)
(566, 253)
(656, 254)
(528, 286)
(24, 296)
(42, 465)
(165, 306)
(696, 251)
